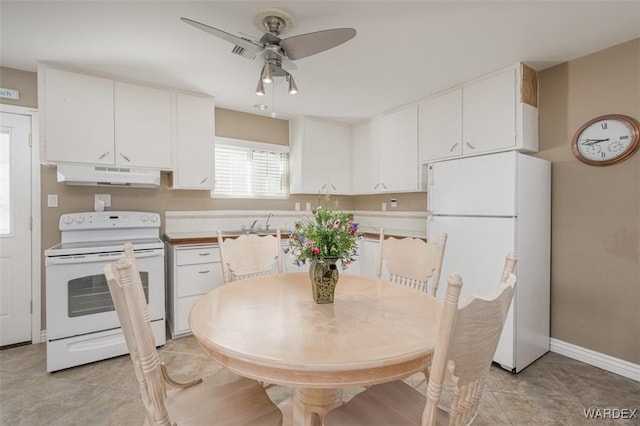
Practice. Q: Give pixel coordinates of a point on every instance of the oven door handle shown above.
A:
(99, 258)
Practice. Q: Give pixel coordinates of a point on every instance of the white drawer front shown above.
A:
(193, 256)
(198, 279)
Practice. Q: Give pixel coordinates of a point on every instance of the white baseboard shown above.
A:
(597, 359)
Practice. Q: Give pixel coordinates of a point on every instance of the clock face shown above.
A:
(606, 140)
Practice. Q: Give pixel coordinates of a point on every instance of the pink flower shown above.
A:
(315, 250)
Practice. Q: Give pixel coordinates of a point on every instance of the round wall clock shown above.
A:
(606, 140)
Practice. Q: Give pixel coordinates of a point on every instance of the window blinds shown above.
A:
(256, 171)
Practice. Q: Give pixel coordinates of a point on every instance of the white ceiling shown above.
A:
(404, 51)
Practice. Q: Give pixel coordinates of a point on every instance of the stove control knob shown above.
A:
(79, 219)
(67, 220)
(144, 218)
(153, 218)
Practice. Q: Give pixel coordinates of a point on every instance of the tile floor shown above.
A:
(553, 391)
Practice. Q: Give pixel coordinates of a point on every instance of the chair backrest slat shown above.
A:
(411, 261)
(249, 255)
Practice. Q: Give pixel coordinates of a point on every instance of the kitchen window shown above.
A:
(250, 169)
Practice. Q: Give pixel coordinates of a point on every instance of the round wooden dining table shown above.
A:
(269, 328)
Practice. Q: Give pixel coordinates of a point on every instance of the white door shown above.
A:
(15, 233)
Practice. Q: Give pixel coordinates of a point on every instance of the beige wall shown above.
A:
(595, 265)
(24, 81)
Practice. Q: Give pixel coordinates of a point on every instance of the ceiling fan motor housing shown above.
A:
(275, 21)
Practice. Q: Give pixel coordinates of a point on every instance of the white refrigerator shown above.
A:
(491, 205)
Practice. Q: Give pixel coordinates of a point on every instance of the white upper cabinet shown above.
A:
(495, 113)
(399, 150)
(95, 120)
(489, 113)
(194, 148)
(384, 153)
(441, 126)
(319, 153)
(142, 126)
(77, 119)
(365, 157)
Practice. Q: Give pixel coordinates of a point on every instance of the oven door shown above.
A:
(78, 298)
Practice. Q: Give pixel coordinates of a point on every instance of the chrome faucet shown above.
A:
(266, 224)
(253, 225)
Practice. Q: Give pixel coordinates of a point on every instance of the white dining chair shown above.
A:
(467, 339)
(249, 255)
(222, 399)
(411, 261)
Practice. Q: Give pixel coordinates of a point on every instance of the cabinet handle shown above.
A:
(203, 180)
(333, 187)
(125, 157)
(204, 254)
(323, 187)
(470, 146)
(104, 155)
(384, 186)
(377, 185)
(454, 146)
(204, 272)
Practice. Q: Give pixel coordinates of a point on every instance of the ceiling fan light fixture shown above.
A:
(293, 88)
(260, 88)
(266, 75)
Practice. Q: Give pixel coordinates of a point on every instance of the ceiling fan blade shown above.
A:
(238, 41)
(303, 45)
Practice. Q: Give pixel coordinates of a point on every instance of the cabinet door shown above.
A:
(315, 147)
(441, 126)
(399, 151)
(194, 142)
(142, 126)
(319, 157)
(369, 257)
(337, 160)
(365, 157)
(489, 113)
(78, 118)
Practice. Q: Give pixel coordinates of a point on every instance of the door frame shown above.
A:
(36, 231)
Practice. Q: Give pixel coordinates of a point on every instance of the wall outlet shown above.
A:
(308, 207)
(384, 207)
(297, 206)
(394, 203)
(105, 198)
(52, 200)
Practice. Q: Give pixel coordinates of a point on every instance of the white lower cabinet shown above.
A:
(368, 257)
(192, 271)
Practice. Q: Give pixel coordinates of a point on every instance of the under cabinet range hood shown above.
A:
(108, 176)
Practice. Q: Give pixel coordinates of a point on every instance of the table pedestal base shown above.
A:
(309, 406)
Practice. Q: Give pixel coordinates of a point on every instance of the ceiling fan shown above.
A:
(277, 53)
